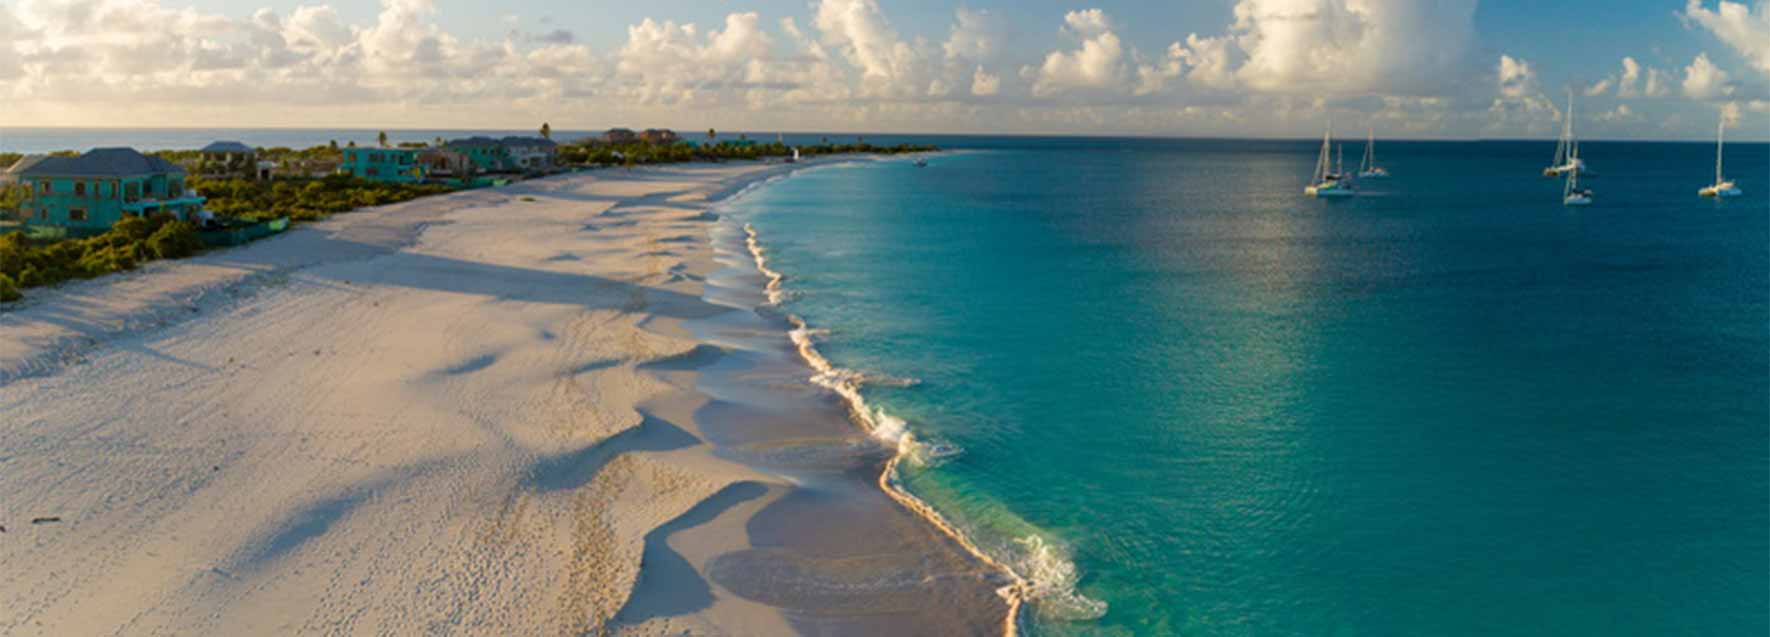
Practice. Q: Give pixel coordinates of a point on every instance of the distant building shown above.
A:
(396, 165)
(659, 136)
(488, 155)
(532, 154)
(444, 163)
(620, 136)
(306, 167)
(100, 188)
(228, 158)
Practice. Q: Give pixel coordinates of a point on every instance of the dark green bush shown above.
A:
(175, 240)
(9, 290)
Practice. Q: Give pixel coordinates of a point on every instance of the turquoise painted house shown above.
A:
(397, 165)
(487, 154)
(95, 190)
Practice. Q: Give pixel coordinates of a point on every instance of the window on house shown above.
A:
(374, 172)
(44, 187)
(79, 189)
(76, 214)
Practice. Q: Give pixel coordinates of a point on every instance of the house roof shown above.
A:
(528, 141)
(98, 162)
(23, 164)
(227, 147)
(475, 141)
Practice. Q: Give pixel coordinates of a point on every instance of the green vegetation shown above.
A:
(606, 154)
(302, 199)
(28, 263)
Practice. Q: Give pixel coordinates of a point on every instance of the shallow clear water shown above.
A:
(1450, 406)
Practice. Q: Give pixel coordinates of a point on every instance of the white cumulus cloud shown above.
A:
(1746, 29)
(1704, 81)
(1097, 64)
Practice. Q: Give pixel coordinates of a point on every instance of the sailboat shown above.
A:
(795, 158)
(1722, 187)
(1369, 169)
(1567, 148)
(1327, 181)
(1572, 194)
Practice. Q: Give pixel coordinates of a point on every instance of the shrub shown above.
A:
(9, 290)
(174, 240)
(135, 228)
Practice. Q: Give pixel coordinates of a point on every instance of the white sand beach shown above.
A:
(458, 415)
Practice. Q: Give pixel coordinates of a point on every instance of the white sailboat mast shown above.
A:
(1720, 134)
(1370, 150)
(1321, 160)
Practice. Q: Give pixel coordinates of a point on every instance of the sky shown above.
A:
(1638, 69)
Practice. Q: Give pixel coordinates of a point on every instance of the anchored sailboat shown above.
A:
(1722, 187)
(1327, 180)
(1571, 193)
(1567, 148)
(1369, 169)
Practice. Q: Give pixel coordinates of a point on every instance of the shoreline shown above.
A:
(901, 441)
(500, 425)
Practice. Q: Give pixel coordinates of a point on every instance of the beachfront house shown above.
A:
(488, 155)
(396, 165)
(444, 163)
(224, 158)
(620, 136)
(659, 136)
(95, 190)
(532, 154)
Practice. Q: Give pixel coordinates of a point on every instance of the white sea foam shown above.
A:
(1041, 573)
(1051, 579)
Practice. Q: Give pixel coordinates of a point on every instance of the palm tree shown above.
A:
(546, 131)
(712, 135)
(382, 138)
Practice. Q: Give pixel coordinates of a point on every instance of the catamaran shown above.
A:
(1369, 169)
(1571, 193)
(1327, 180)
(1567, 148)
(1722, 187)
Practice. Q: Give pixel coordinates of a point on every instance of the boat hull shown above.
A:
(1576, 200)
(1328, 192)
(1720, 191)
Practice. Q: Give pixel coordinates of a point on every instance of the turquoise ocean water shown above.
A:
(1186, 400)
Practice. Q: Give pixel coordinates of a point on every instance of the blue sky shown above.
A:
(1416, 68)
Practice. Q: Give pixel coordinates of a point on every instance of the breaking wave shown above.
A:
(1040, 573)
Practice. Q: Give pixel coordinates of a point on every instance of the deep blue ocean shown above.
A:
(1187, 400)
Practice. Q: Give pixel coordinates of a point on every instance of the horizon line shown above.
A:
(1108, 136)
